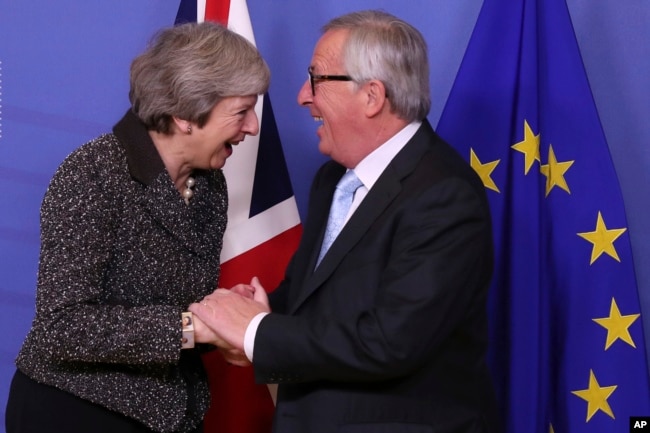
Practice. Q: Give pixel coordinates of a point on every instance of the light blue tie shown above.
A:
(341, 203)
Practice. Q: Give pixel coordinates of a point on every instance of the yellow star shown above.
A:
(550, 429)
(596, 397)
(617, 326)
(529, 147)
(484, 170)
(554, 172)
(602, 239)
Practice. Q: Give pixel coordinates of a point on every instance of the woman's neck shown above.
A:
(172, 156)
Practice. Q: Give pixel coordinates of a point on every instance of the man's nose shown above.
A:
(304, 94)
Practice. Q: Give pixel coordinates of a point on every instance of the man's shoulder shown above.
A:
(328, 171)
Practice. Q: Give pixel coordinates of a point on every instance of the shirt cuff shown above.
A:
(249, 336)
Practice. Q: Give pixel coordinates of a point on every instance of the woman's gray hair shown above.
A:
(382, 47)
(190, 68)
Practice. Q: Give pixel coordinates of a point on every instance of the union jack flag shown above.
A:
(263, 232)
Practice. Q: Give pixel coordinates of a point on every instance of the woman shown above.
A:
(131, 232)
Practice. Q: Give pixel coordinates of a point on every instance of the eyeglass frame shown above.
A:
(313, 78)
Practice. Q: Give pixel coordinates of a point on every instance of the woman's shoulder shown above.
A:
(104, 149)
(100, 158)
(105, 145)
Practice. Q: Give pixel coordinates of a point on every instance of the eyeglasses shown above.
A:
(313, 78)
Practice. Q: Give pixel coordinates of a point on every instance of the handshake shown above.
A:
(223, 316)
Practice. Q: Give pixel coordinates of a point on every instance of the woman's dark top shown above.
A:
(122, 256)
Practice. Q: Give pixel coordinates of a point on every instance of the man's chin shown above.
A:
(324, 148)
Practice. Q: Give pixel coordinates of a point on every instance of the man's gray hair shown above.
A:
(383, 47)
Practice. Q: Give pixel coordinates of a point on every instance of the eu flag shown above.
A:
(567, 347)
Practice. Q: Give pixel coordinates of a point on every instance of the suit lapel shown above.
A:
(387, 187)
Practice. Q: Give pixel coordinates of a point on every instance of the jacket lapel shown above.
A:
(387, 187)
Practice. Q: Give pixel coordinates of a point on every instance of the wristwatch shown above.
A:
(187, 341)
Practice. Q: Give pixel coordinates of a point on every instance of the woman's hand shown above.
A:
(228, 314)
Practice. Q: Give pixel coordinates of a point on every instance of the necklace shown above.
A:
(188, 193)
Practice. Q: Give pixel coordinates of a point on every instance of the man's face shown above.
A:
(336, 104)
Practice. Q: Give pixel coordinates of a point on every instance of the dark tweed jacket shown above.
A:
(122, 256)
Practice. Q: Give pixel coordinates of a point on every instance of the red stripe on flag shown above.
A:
(267, 261)
(239, 405)
(217, 11)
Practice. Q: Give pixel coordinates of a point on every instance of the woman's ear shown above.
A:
(184, 126)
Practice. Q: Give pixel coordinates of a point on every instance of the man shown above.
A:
(387, 333)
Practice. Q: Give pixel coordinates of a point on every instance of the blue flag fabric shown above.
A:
(187, 12)
(567, 347)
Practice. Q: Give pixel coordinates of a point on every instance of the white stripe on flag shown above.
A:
(200, 11)
(249, 233)
(239, 20)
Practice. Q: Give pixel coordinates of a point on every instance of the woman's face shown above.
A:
(230, 121)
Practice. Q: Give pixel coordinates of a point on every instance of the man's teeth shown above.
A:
(318, 119)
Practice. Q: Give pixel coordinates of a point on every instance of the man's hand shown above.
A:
(245, 290)
(203, 334)
(235, 357)
(227, 314)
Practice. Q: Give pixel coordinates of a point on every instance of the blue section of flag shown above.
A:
(187, 12)
(567, 347)
(272, 183)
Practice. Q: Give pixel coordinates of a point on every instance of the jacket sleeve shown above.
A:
(74, 316)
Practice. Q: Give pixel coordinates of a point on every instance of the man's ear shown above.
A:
(376, 94)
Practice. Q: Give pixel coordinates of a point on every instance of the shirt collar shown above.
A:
(373, 165)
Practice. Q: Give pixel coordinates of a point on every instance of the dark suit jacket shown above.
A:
(389, 333)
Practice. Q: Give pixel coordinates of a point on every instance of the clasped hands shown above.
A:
(223, 316)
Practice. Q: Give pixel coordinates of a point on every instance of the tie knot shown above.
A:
(349, 182)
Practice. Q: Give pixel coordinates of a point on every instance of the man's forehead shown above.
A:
(328, 50)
